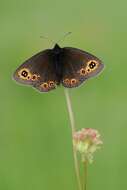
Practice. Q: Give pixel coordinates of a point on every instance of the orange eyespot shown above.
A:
(82, 71)
(44, 85)
(73, 81)
(24, 73)
(92, 64)
(34, 77)
(66, 81)
(51, 84)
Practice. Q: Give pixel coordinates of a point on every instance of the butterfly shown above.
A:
(50, 68)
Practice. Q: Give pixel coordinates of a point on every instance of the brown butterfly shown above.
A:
(52, 67)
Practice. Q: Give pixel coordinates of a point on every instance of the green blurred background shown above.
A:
(35, 138)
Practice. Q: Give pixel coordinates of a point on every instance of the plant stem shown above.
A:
(72, 124)
(84, 175)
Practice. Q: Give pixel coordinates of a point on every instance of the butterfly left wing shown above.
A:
(38, 71)
(78, 66)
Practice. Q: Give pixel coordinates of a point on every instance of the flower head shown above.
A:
(86, 142)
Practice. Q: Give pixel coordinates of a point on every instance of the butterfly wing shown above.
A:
(38, 71)
(78, 66)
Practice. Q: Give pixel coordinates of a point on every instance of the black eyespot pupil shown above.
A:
(51, 83)
(34, 77)
(24, 73)
(45, 85)
(92, 65)
(83, 71)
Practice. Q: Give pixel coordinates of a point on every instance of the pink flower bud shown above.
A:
(86, 142)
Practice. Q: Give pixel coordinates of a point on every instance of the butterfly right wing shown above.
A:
(38, 71)
(78, 66)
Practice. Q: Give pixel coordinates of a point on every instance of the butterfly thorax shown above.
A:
(57, 57)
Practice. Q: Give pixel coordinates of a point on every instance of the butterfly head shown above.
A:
(57, 49)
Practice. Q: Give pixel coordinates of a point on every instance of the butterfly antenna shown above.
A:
(65, 35)
(46, 38)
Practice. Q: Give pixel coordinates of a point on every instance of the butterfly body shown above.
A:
(52, 67)
(58, 54)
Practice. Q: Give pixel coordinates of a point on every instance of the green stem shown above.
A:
(84, 175)
(72, 124)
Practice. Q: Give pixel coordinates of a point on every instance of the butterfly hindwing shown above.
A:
(79, 66)
(38, 71)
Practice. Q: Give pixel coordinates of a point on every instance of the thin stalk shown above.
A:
(84, 175)
(72, 124)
